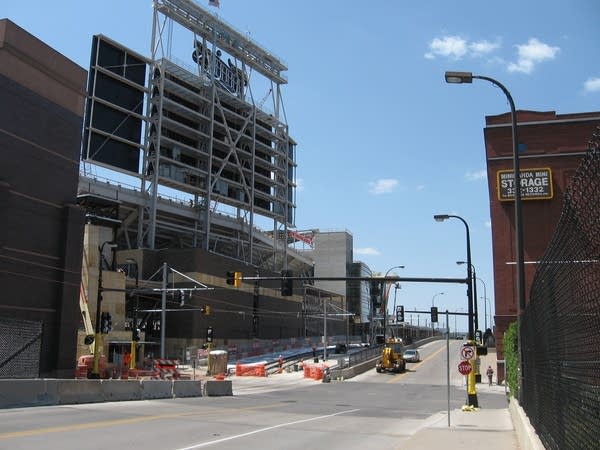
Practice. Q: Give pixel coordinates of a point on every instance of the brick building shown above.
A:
(42, 95)
(551, 147)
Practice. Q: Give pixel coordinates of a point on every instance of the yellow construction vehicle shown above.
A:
(391, 357)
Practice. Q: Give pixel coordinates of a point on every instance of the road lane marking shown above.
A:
(260, 430)
(400, 375)
(128, 421)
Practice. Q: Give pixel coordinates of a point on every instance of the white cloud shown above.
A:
(299, 185)
(449, 46)
(478, 175)
(532, 53)
(420, 187)
(592, 85)
(481, 48)
(456, 47)
(367, 251)
(382, 186)
(488, 224)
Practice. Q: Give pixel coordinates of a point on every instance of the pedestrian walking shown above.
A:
(490, 374)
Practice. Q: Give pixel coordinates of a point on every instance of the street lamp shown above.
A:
(432, 305)
(135, 337)
(467, 77)
(475, 305)
(385, 296)
(487, 302)
(441, 218)
(98, 335)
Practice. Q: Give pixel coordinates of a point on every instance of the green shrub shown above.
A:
(511, 358)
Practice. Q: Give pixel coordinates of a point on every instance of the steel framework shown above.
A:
(208, 138)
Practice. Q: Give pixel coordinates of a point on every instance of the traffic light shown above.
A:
(206, 310)
(209, 334)
(287, 284)
(234, 279)
(399, 314)
(105, 323)
(375, 291)
(434, 314)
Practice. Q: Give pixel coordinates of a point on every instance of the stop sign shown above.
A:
(464, 367)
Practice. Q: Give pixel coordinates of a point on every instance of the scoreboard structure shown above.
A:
(196, 125)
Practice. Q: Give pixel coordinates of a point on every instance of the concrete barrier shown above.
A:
(22, 393)
(78, 391)
(526, 434)
(121, 390)
(156, 389)
(214, 388)
(187, 388)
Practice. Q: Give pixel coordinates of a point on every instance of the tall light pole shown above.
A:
(471, 379)
(385, 296)
(467, 77)
(98, 332)
(432, 305)
(441, 218)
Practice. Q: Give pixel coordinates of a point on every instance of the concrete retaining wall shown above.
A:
(19, 393)
(187, 388)
(152, 389)
(526, 434)
(49, 392)
(218, 388)
(78, 391)
(121, 390)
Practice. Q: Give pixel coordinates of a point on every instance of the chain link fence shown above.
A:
(560, 327)
(20, 347)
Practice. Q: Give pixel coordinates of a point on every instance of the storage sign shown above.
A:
(536, 184)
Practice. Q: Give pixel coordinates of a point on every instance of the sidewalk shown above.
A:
(489, 428)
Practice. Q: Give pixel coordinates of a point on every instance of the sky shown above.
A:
(383, 142)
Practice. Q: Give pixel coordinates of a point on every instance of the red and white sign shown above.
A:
(467, 352)
(464, 367)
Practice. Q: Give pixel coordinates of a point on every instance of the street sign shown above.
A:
(464, 367)
(467, 352)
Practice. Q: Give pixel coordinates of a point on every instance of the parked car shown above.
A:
(412, 355)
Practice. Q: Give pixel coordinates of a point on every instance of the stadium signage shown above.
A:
(228, 76)
(536, 184)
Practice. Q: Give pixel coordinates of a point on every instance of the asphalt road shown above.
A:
(370, 411)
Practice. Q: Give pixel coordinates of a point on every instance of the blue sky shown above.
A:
(383, 142)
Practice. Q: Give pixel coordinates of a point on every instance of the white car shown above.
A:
(412, 355)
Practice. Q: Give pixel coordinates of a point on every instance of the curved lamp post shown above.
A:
(385, 298)
(467, 77)
(441, 218)
(471, 379)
